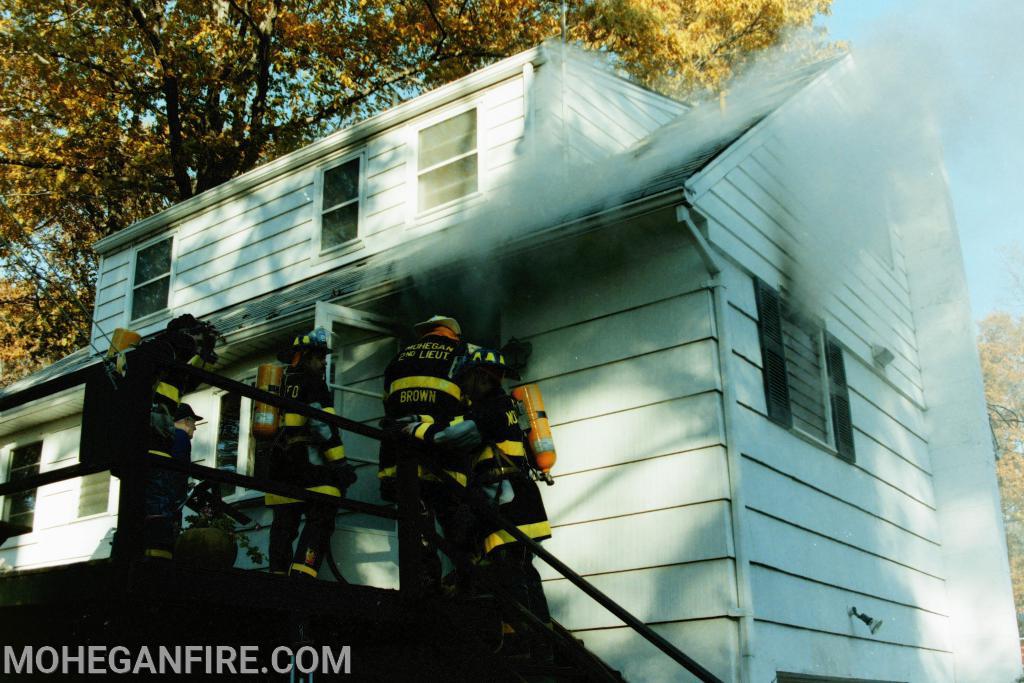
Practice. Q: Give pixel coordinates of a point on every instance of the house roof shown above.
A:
(701, 144)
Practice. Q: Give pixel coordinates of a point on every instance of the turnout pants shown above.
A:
(292, 465)
(313, 543)
(164, 496)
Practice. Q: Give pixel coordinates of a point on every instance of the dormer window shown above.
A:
(447, 160)
(339, 202)
(151, 283)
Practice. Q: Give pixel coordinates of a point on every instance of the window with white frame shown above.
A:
(447, 167)
(19, 508)
(151, 282)
(804, 373)
(339, 202)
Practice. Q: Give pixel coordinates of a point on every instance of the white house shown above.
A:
(762, 422)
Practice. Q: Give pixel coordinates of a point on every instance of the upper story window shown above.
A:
(151, 283)
(20, 507)
(446, 165)
(339, 204)
(804, 374)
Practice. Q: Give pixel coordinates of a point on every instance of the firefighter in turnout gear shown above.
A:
(422, 400)
(307, 453)
(501, 470)
(185, 340)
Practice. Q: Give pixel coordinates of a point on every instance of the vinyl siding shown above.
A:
(267, 238)
(640, 506)
(600, 114)
(826, 534)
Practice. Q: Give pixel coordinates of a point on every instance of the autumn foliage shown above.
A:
(111, 110)
(1001, 346)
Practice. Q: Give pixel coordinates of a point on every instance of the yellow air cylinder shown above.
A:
(121, 340)
(542, 446)
(265, 416)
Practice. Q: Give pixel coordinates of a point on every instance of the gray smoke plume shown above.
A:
(864, 153)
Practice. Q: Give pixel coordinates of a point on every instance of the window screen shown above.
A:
(152, 282)
(339, 220)
(447, 163)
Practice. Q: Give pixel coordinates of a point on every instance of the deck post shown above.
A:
(410, 537)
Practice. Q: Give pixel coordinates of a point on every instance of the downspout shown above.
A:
(744, 610)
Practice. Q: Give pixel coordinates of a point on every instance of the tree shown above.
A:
(1001, 346)
(111, 110)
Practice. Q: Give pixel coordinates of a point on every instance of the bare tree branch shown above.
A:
(169, 87)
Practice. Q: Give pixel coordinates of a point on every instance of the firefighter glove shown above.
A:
(344, 473)
(461, 436)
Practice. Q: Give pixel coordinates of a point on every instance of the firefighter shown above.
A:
(422, 400)
(501, 471)
(308, 453)
(187, 340)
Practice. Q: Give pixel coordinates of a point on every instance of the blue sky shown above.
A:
(977, 62)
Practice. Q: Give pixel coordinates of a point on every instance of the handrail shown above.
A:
(479, 506)
(482, 509)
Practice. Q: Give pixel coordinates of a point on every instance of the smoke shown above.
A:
(552, 181)
(930, 101)
(871, 141)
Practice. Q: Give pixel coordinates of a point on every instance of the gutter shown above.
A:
(744, 609)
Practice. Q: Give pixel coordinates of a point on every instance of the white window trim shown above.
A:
(130, 298)
(318, 207)
(413, 177)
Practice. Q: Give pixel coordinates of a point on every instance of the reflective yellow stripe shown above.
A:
(486, 454)
(198, 362)
(423, 382)
(329, 409)
(157, 552)
(334, 454)
(295, 420)
(275, 499)
(304, 569)
(512, 447)
(421, 431)
(457, 419)
(392, 472)
(168, 390)
(426, 418)
(161, 454)
(502, 537)
(325, 489)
